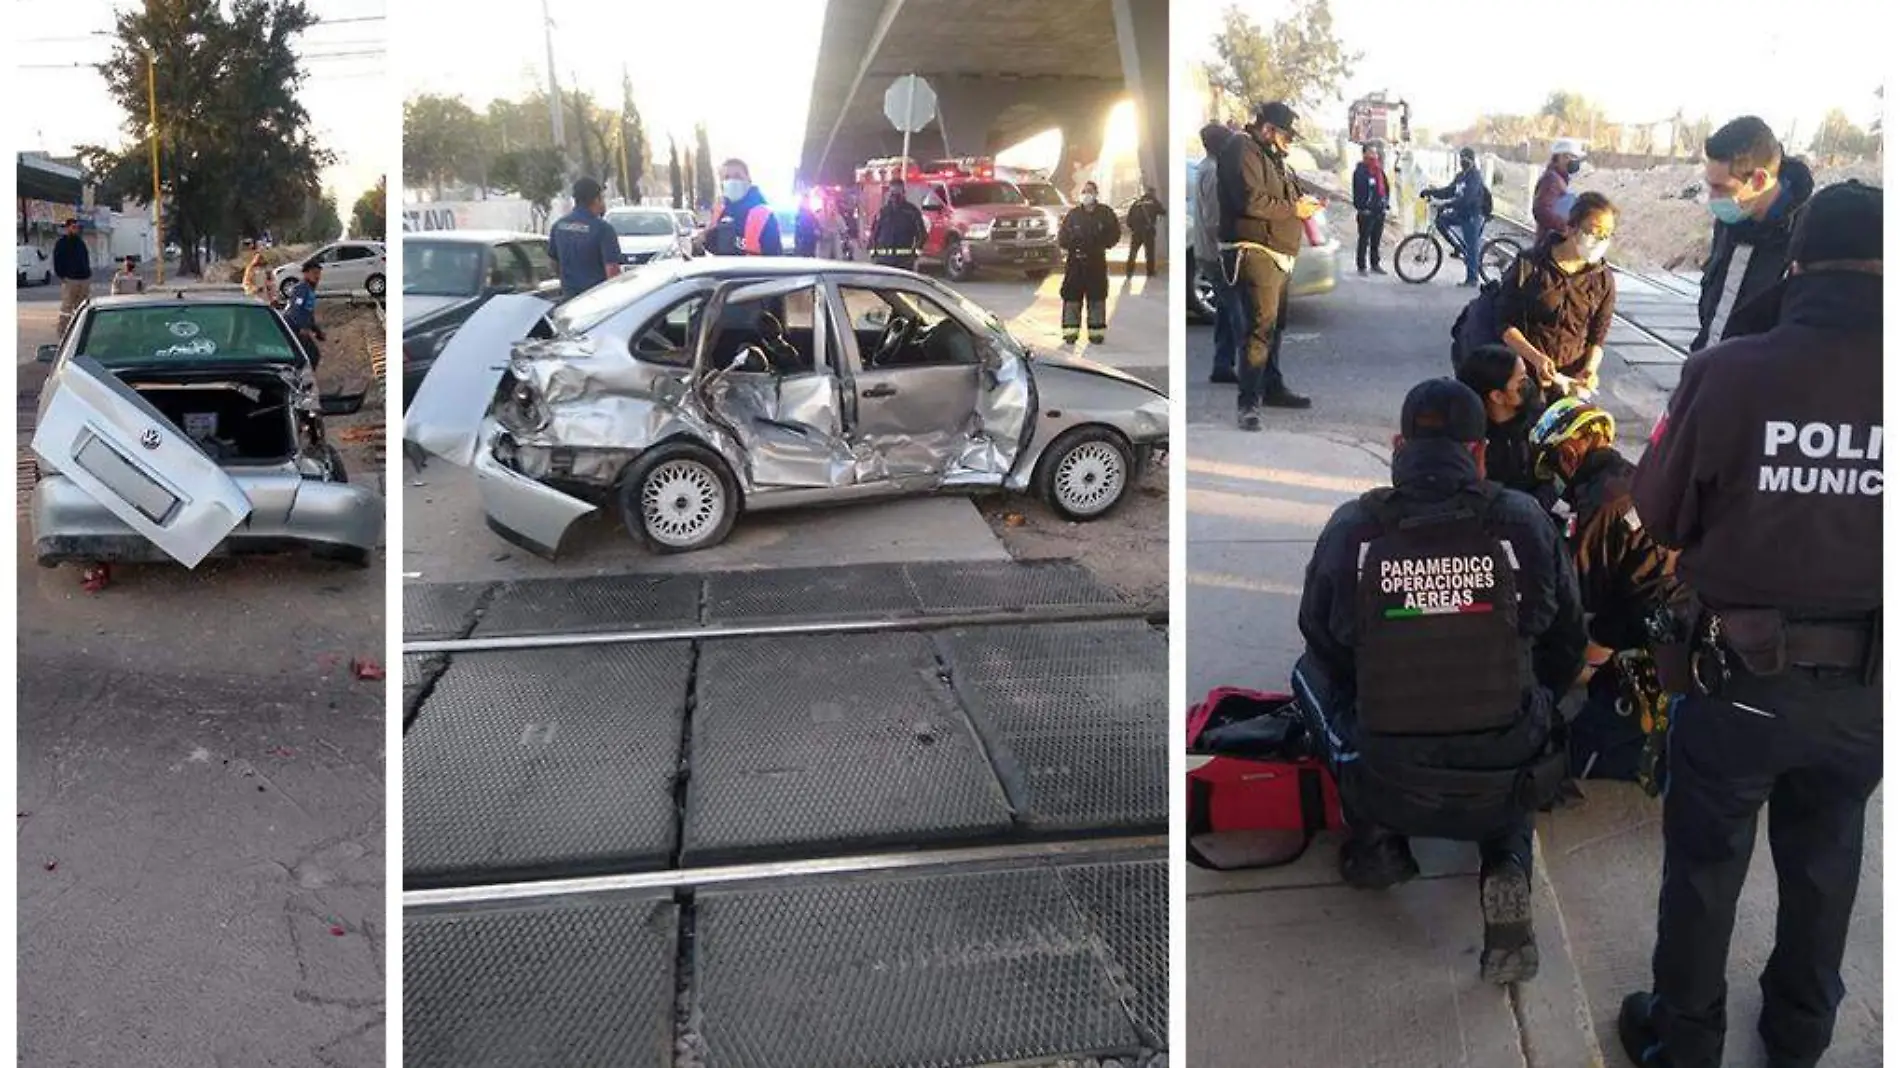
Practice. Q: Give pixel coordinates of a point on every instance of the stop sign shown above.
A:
(910, 103)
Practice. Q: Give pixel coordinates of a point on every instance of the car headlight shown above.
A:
(978, 232)
(668, 252)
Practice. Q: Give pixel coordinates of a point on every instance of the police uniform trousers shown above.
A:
(1085, 280)
(903, 262)
(1805, 743)
(1260, 286)
(1139, 240)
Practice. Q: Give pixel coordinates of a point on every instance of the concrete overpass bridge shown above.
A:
(1003, 70)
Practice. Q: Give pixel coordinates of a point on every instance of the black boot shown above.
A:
(1510, 943)
(1377, 863)
(1636, 1030)
(1286, 398)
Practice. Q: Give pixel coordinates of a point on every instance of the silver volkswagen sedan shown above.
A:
(687, 392)
(185, 426)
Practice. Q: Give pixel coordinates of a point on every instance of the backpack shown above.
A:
(1259, 789)
(1477, 324)
(1487, 202)
(1437, 649)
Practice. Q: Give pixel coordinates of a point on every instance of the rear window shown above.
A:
(225, 332)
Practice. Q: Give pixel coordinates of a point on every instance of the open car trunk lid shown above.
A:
(445, 418)
(127, 455)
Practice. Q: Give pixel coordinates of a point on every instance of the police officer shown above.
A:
(1143, 215)
(1261, 229)
(1623, 576)
(1766, 474)
(1087, 232)
(898, 231)
(1441, 622)
(582, 244)
(301, 312)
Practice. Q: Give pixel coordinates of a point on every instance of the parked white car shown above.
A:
(648, 234)
(35, 266)
(348, 267)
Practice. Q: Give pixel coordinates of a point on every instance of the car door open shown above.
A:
(129, 457)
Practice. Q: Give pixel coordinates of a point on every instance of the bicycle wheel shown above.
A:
(1499, 253)
(1418, 258)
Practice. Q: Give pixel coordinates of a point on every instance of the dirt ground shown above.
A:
(1661, 224)
(1128, 549)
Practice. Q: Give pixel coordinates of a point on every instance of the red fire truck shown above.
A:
(974, 220)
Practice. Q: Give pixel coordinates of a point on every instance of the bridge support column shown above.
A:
(1141, 31)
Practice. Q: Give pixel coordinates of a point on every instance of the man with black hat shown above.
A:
(1262, 216)
(1765, 473)
(582, 244)
(72, 263)
(1442, 621)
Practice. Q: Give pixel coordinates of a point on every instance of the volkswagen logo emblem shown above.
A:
(150, 438)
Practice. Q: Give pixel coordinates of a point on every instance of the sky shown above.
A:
(1644, 59)
(688, 62)
(59, 40)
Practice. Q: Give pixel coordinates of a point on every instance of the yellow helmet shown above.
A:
(1562, 421)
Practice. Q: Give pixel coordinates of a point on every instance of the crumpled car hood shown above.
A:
(1037, 361)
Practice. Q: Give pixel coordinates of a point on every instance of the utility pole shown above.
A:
(158, 213)
(554, 86)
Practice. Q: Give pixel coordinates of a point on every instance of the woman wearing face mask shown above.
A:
(1555, 305)
(1087, 233)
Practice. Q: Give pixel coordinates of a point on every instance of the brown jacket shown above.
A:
(1562, 314)
(1551, 187)
(1766, 469)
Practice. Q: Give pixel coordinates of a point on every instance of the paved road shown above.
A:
(446, 539)
(200, 807)
(1294, 938)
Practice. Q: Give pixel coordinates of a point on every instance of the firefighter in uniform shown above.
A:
(1766, 474)
(1087, 232)
(1441, 622)
(898, 231)
(1623, 576)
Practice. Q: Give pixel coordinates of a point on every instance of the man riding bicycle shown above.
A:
(1462, 220)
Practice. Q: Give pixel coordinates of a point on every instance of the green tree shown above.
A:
(673, 173)
(1839, 138)
(633, 142)
(442, 141)
(369, 219)
(705, 185)
(319, 221)
(1297, 59)
(534, 174)
(236, 154)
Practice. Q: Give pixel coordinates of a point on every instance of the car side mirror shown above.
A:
(46, 353)
(342, 403)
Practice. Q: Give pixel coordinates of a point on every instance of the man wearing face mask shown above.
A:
(1555, 305)
(898, 231)
(744, 224)
(1466, 213)
(1262, 225)
(1551, 203)
(1766, 474)
(1087, 232)
(1754, 195)
(1371, 199)
(1512, 403)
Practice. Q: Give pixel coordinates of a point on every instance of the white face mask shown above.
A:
(1593, 248)
(736, 188)
(1088, 200)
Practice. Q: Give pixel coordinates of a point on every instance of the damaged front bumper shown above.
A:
(288, 512)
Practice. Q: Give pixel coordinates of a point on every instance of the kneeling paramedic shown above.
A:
(1623, 577)
(1766, 474)
(1441, 620)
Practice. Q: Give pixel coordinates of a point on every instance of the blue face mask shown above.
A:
(1726, 210)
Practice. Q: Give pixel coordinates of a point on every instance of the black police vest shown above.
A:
(1438, 650)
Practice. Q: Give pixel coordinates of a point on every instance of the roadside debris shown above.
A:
(95, 577)
(366, 669)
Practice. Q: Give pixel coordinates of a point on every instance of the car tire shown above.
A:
(284, 287)
(376, 285)
(1200, 303)
(1086, 473)
(678, 498)
(959, 263)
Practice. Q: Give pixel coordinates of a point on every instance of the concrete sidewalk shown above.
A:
(1289, 966)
